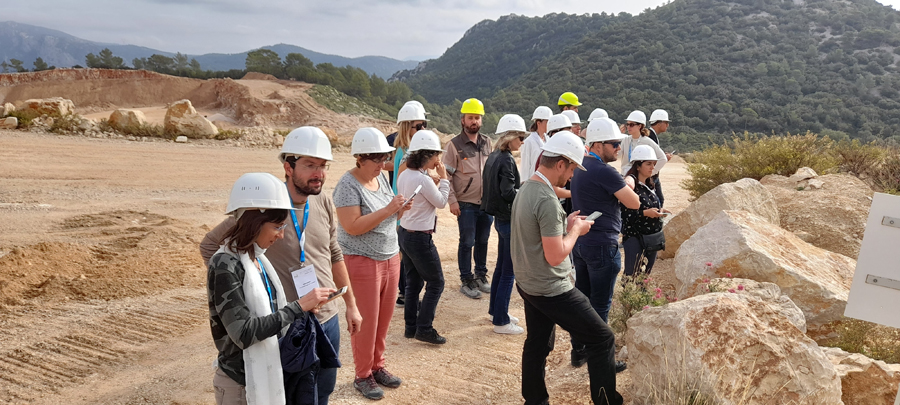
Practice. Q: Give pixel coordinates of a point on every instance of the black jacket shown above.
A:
(500, 183)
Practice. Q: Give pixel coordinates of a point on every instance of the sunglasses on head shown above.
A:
(614, 144)
(420, 126)
(632, 124)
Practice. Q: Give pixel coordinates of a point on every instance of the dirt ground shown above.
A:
(102, 289)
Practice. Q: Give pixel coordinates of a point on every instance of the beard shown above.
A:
(309, 187)
(472, 129)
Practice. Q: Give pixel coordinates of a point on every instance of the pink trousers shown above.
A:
(375, 288)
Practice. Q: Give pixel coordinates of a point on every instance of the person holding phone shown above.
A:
(645, 220)
(420, 256)
(367, 211)
(248, 308)
(501, 183)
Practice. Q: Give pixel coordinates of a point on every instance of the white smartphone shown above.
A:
(336, 294)
(593, 216)
(665, 214)
(416, 192)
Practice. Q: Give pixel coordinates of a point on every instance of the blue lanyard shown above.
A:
(598, 157)
(300, 231)
(266, 282)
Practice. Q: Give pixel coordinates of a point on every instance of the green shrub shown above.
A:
(228, 134)
(64, 124)
(25, 117)
(872, 340)
(148, 130)
(887, 177)
(858, 158)
(633, 294)
(753, 156)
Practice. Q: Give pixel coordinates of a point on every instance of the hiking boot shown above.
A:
(401, 301)
(512, 319)
(620, 366)
(579, 358)
(483, 285)
(431, 337)
(386, 379)
(469, 288)
(508, 329)
(368, 387)
(409, 333)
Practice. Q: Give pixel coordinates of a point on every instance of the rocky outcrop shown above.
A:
(741, 244)
(768, 292)
(744, 194)
(7, 109)
(9, 123)
(829, 211)
(48, 106)
(183, 119)
(730, 349)
(864, 381)
(123, 118)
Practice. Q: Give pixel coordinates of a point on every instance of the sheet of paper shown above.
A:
(304, 280)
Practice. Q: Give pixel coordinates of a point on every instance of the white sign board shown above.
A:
(875, 293)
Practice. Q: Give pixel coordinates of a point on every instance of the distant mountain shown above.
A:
(717, 66)
(28, 42)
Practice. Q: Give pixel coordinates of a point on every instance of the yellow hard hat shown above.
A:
(472, 106)
(568, 98)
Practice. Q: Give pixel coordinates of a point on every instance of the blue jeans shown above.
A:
(634, 251)
(502, 282)
(423, 267)
(328, 376)
(596, 269)
(573, 312)
(474, 231)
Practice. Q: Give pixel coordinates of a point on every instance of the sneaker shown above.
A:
(483, 285)
(368, 387)
(401, 302)
(512, 319)
(386, 379)
(620, 366)
(409, 333)
(469, 288)
(508, 329)
(579, 358)
(431, 337)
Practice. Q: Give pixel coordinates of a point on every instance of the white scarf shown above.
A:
(262, 360)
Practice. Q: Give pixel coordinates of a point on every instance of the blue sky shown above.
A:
(399, 29)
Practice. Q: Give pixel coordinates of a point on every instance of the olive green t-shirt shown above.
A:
(536, 213)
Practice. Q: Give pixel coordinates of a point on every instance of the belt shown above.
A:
(426, 232)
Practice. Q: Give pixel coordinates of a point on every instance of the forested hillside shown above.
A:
(719, 67)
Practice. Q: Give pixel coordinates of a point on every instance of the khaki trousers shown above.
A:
(228, 392)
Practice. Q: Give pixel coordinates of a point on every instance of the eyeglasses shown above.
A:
(614, 144)
(377, 158)
(281, 228)
(420, 126)
(315, 168)
(522, 138)
(632, 124)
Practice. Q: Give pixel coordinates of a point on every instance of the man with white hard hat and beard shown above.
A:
(309, 240)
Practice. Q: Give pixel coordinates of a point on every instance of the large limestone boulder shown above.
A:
(7, 109)
(732, 348)
(831, 216)
(744, 194)
(49, 106)
(124, 118)
(864, 381)
(9, 123)
(183, 119)
(741, 244)
(768, 292)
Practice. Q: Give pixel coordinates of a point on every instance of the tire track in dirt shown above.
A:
(53, 354)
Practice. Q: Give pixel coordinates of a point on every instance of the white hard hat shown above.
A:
(542, 113)
(602, 130)
(511, 122)
(643, 152)
(598, 113)
(425, 140)
(415, 103)
(659, 115)
(567, 144)
(572, 116)
(306, 141)
(369, 140)
(558, 121)
(637, 116)
(258, 191)
(411, 111)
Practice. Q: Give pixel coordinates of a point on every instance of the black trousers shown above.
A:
(573, 312)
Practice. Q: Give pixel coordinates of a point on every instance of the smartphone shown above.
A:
(665, 214)
(672, 152)
(593, 216)
(416, 192)
(336, 294)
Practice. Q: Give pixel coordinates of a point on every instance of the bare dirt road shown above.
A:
(102, 289)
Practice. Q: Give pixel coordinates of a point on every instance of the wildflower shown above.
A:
(659, 290)
(731, 290)
(708, 264)
(728, 275)
(740, 287)
(646, 280)
(646, 306)
(706, 280)
(658, 296)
